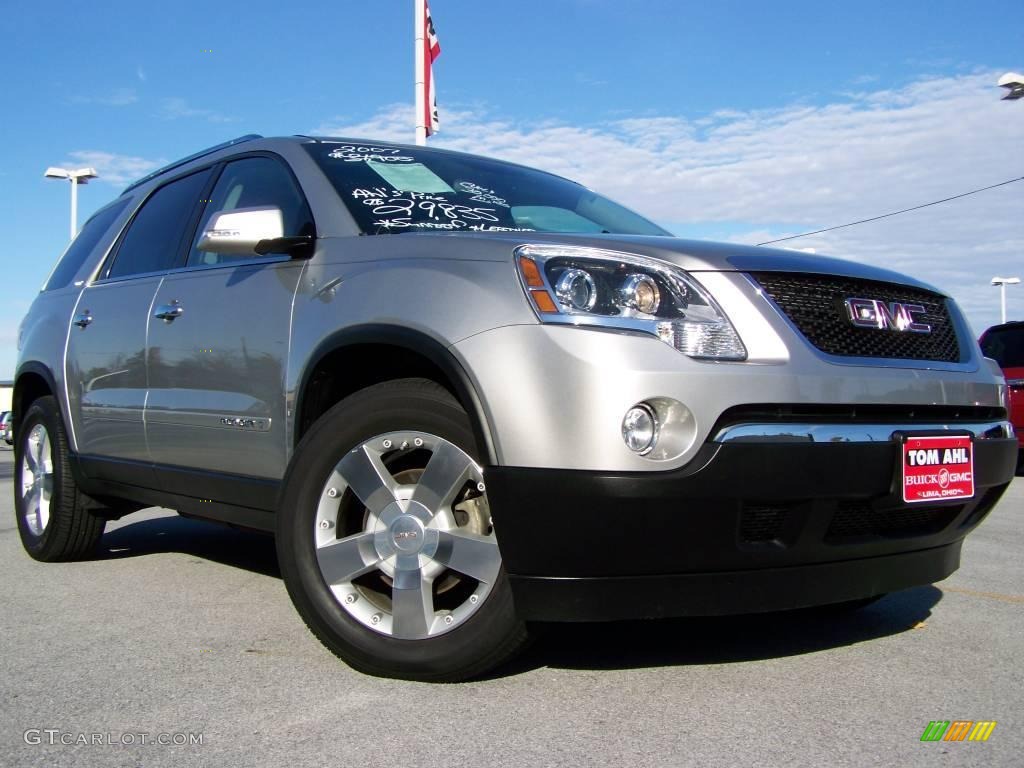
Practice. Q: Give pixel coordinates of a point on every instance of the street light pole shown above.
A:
(74, 208)
(1002, 282)
(76, 177)
(1014, 85)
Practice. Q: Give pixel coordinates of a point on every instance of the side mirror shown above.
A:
(241, 230)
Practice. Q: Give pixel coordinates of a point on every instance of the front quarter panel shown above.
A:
(402, 281)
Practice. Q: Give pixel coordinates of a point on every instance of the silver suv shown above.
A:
(466, 395)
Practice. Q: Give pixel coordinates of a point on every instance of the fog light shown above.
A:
(640, 428)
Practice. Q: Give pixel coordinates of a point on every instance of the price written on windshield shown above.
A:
(416, 209)
(352, 153)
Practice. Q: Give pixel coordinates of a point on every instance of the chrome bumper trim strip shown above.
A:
(782, 432)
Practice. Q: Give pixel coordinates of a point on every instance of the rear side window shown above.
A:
(1005, 346)
(153, 239)
(76, 254)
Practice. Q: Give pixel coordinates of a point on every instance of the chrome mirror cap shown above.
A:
(240, 230)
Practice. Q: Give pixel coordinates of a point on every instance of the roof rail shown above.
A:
(190, 158)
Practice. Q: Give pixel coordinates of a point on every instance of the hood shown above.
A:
(691, 255)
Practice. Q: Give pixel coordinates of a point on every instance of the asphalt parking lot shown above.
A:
(184, 628)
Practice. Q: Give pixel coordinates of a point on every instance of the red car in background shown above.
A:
(1005, 344)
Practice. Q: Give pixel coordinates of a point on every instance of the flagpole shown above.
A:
(421, 88)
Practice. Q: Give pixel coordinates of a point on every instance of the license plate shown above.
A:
(937, 468)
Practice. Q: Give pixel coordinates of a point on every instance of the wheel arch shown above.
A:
(378, 353)
(32, 381)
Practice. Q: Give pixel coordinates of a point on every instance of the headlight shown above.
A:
(576, 289)
(590, 286)
(640, 292)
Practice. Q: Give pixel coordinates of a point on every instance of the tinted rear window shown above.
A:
(83, 244)
(1006, 346)
(393, 189)
(153, 239)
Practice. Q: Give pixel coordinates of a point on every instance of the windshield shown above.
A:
(394, 189)
(1005, 346)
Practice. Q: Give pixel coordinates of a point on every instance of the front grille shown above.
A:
(761, 524)
(815, 305)
(984, 506)
(857, 519)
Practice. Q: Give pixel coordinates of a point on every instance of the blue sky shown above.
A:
(729, 120)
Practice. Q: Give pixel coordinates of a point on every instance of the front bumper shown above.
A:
(555, 396)
(744, 527)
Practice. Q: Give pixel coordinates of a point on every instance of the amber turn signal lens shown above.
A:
(543, 300)
(530, 273)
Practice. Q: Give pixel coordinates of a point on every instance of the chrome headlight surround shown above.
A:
(685, 316)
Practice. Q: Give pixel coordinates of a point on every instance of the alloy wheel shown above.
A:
(403, 535)
(37, 479)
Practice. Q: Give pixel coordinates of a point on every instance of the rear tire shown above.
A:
(385, 541)
(54, 519)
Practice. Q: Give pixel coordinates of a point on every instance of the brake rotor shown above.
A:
(472, 514)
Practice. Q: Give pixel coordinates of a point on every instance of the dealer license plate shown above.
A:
(937, 468)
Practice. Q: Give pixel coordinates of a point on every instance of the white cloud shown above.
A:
(175, 108)
(119, 97)
(391, 123)
(113, 168)
(768, 173)
(140, 73)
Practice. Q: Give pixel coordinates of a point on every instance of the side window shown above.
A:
(154, 237)
(83, 245)
(253, 182)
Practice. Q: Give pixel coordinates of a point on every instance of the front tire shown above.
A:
(385, 540)
(54, 520)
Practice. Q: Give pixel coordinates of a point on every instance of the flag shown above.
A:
(431, 50)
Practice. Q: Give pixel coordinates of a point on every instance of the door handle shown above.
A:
(167, 312)
(83, 319)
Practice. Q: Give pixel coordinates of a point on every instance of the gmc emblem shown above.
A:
(885, 316)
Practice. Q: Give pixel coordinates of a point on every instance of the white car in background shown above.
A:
(6, 428)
